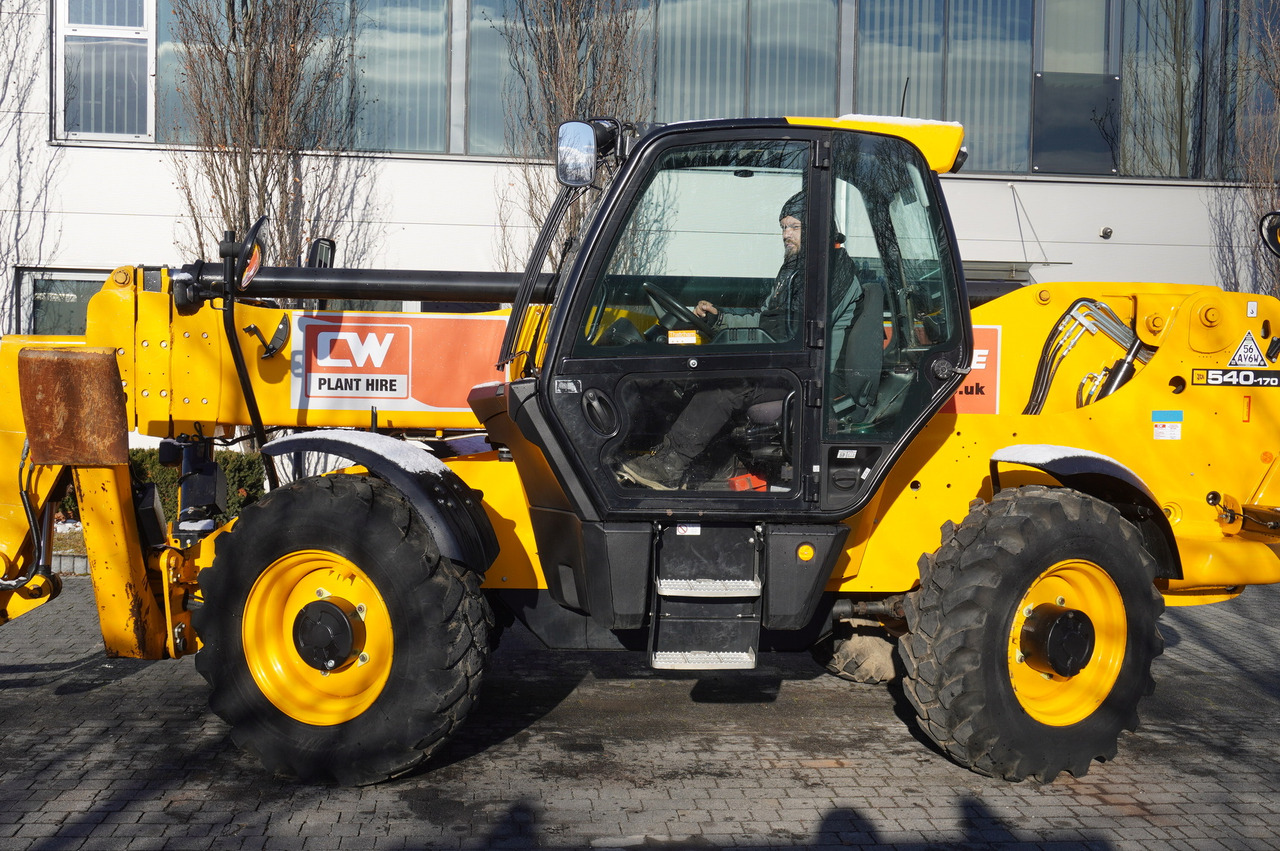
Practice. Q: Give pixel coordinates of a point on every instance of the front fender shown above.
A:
(451, 509)
(1107, 479)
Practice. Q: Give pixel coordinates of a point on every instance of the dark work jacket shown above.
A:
(783, 309)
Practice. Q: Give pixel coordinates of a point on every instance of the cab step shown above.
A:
(708, 595)
(703, 660)
(710, 587)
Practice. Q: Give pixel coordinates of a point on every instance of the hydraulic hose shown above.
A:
(37, 565)
(246, 386)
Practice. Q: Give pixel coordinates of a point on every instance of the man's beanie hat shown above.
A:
(794, 207)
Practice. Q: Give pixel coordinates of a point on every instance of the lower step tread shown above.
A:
(702, 660)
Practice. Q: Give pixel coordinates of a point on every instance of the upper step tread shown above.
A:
(710, 587)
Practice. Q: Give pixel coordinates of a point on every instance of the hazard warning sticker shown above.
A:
(1248, 353)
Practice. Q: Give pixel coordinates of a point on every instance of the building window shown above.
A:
(1130, 87)
(488, 68)
(734, 58)
(989, 80)
(404, 75)
(399, 92)
(55, 301)
(1076, 96)
(1179, 67)
(901, 57)
(955, 60)
(105, 67)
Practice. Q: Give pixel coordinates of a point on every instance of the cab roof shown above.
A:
(939, 141)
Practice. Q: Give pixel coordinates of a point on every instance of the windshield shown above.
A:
(706, 228)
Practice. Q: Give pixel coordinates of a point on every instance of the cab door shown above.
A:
(812, 373)
(699, 220)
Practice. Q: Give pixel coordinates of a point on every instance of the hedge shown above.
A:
(243, 471)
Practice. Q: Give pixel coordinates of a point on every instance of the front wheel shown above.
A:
(339, 644)
(1032, 634)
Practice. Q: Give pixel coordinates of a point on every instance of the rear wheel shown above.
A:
(860, 650)
(339, 644)
(1032, 634)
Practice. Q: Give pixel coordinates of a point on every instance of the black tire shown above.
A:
(860, 651)
(974, 690)
(421, 632)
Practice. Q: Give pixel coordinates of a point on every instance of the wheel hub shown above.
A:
(328, 634)
(1057, 640)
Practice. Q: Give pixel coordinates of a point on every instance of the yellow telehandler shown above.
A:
(747, 407)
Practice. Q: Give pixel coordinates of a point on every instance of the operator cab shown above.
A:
(825, 393)
(752, 325)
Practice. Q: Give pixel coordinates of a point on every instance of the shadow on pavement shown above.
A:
(843, 827)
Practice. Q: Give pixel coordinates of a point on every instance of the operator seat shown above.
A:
(857, 353)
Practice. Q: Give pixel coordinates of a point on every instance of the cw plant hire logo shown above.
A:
(369, 361)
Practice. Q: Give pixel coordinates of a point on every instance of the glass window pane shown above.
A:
(1075, 36)
(900, 57)
(106, 85)
(702, 59)
(989, 80)
(105, 13)
(794, 53)
(1075, 123)
(170, 122)
(403, 45)
(1161, 77)
(488, 71)
(706, 227)
(900, 304)
(60, 303)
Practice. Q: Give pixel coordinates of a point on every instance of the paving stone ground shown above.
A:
(576, 750)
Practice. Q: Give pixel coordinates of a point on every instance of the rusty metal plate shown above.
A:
(73, 406)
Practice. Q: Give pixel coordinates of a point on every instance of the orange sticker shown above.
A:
(979, 393)
(395, 362)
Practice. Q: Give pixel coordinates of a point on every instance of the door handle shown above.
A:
(600, 413)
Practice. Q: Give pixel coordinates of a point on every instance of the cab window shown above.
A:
(706, 229)
(903, 305)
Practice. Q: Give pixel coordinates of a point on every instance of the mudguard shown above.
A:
(451, 509)
(1107, 479)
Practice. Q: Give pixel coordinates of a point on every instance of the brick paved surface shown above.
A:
(576, 750)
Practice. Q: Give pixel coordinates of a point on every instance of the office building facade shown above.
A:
(1100, 133)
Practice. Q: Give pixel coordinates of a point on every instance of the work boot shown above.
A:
(662, 469)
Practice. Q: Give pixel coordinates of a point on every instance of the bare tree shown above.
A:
(1201, 87)
(570, 59)
(28, 236)
(1235, 210)
(1163, 78)
(268, 98)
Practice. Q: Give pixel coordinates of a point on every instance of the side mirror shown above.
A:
(576, 154)
(1269, 230)
(321, 252)
(250, 259)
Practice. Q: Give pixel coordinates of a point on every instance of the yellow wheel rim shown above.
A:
(1061, 701)
(295, 688)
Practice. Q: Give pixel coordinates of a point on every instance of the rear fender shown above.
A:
(1106, 479)
(451, 510)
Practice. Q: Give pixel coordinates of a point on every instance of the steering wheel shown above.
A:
(665, 304)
